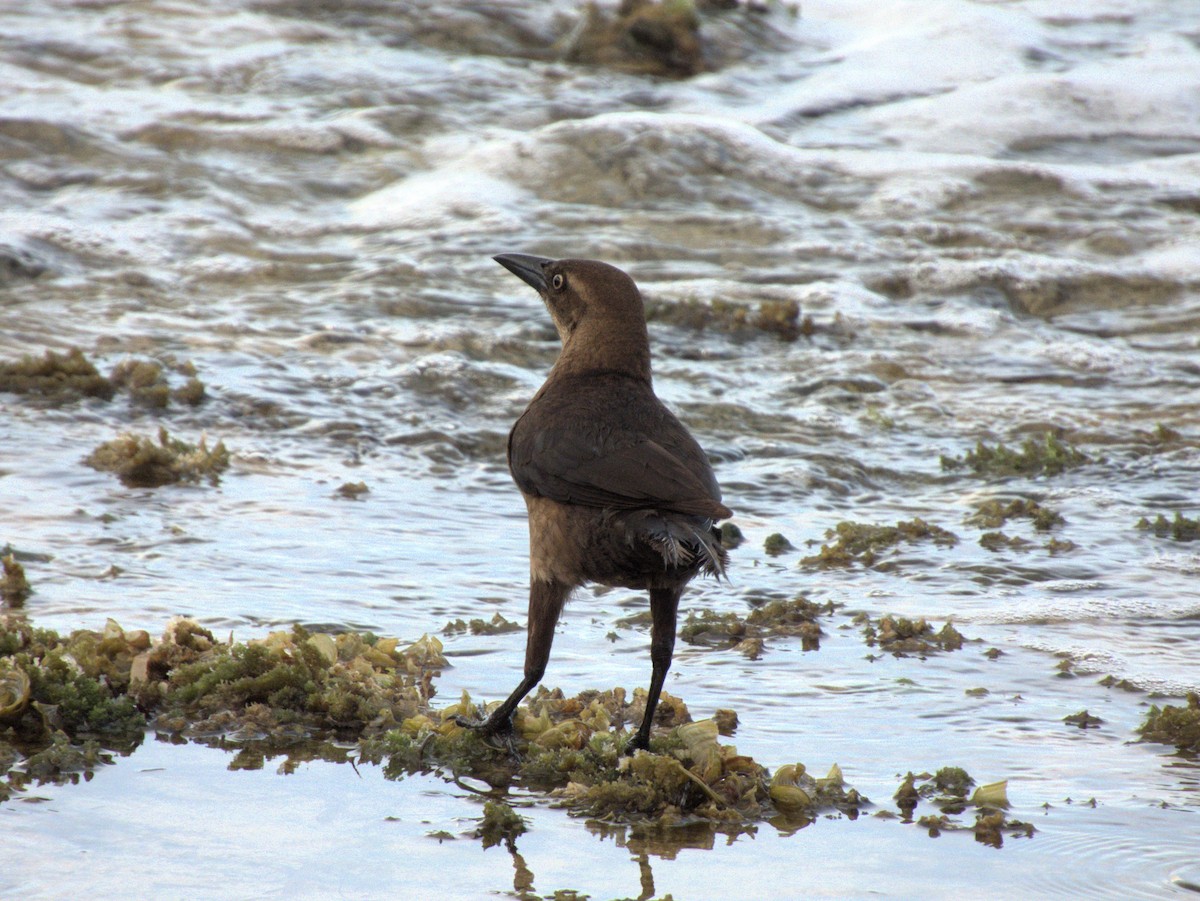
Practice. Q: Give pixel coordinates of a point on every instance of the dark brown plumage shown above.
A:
(617, 490)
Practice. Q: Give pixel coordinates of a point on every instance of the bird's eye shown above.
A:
(557, 282)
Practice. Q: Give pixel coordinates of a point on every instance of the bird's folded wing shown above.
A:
(573, 467)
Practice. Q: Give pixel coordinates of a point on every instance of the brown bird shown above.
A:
(617, 490)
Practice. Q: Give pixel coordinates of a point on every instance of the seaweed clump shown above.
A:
(140, 463)
(947, 790)
(65, 702)
(643, 37)
(500, 824)
(59, 378)
(570, 747)
(864, 543)
(1171, 725)
(796, 617)
(994, 513)
(902, 637)
(1048, 456)
(60, 713)
(14, 586)
(995, 541)
(731, 536)
(290, 685)
(352, 490)
(1179, 529)
(780, 318)
(146, 384)
(776, 544)
(497, 625)
(67, 377)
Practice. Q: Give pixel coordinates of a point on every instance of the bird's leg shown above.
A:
(664, 604)
(546, 601)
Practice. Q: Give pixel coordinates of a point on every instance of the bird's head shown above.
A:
(596, 308)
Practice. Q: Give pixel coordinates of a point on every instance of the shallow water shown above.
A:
(988, 210)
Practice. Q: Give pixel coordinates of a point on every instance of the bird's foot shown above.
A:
(639, 742)
(496, 732)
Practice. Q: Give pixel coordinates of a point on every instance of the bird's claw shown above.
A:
(498, 735)
(639, 742)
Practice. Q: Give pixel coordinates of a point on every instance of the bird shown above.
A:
(617, 490)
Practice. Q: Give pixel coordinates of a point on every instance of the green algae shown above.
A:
(747, 635)
(144, 381)
(731, 536)
(303, 695)
(60, 715)
(780, 318)
(352, 490)
(141, 463)
(57, 378)
(67, 377)
(776, 544)
(14, 586)
(308, 683)
(500, 824)
(994, 513)
(1083, 720)
(864, 543)
(641, 37)
(497, 625)
(1161, 438)
(947, 790)
(996, 541)
(1048, 456)
(903, 637)
(1060, 546)
(1181, 528)
(1171, 725)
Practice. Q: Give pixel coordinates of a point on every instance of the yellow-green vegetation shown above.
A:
(864, 543)
(1083, 720)
(352, 490)
(65, 703)
(497, 625)
(500, 823)
(640, 36)
(1060, 546)
(776, 544)
(140, 463)
(60, 378)
(63, 378)
(571, 748)
(1048, 456)
(14, 586)
(1178, 726)
(1111, 681)
(903, 637)
(62, 704)
(1181, 528)
(995, 541)
(780, 318)
(947, 790)
(796, 617)
(994, 513)
(1160, 438)
(147, 385)
(731, 535)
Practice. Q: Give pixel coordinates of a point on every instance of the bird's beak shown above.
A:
(525, 267)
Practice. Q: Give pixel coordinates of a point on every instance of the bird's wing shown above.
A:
(597, 469)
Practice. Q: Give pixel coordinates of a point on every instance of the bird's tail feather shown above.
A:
(682, 541)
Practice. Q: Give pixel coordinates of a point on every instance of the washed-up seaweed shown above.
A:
(67, 705)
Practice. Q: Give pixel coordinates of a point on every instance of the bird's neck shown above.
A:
(625, 350)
